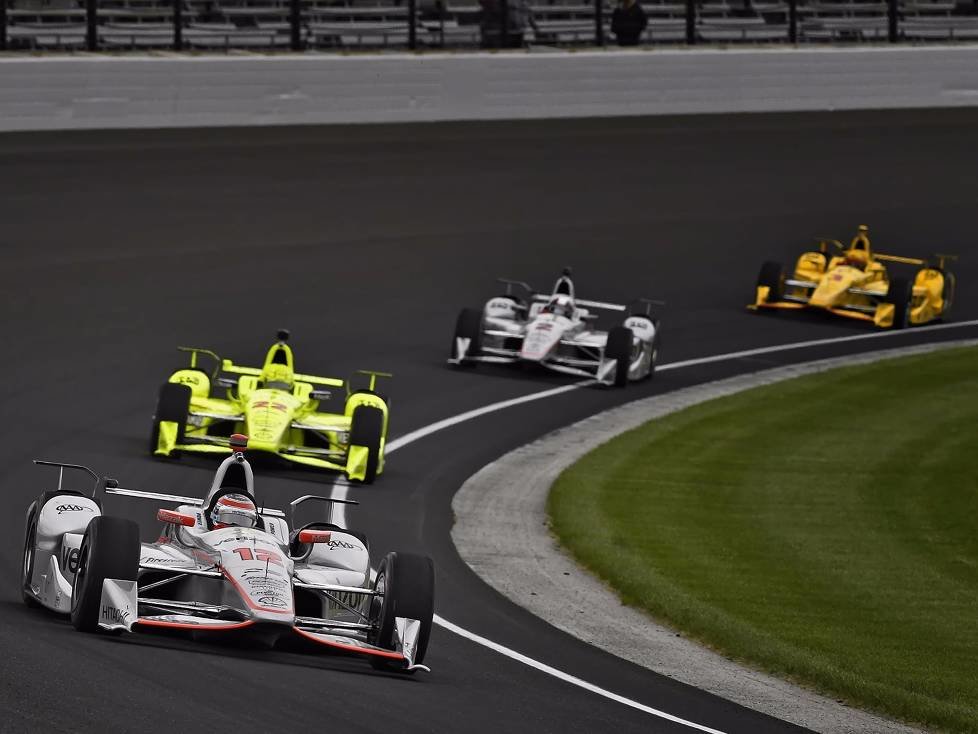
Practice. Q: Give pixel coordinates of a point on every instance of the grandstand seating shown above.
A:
(351, 24)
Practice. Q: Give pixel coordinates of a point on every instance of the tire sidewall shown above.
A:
(367, 429)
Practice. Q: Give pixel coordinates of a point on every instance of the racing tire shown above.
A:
(173, 404)
(367, 429)
(900, 294)
(109, 550)
(407, 581)
(772, 276)
(27, 567)
(468, 326)
(619, 348)
(654, 356)
(947, 294)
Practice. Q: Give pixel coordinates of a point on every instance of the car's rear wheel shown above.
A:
(619, 348)
(109, 550)
(468, 327)
(173, 404)
(772, 277)
(900, 294)
(367, 429)
(405, 585)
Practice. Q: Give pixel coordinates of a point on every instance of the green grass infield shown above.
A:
(824, 529)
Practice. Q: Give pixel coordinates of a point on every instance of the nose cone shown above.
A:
(267, 417)
(832, 290)
(541, 338)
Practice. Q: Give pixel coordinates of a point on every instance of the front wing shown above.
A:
(865, 305)
(196, 438)
(120, 605)
(597, 368)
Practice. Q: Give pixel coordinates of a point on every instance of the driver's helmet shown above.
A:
(277, 377)
(234, 510)
(859, 253)
(558, 306)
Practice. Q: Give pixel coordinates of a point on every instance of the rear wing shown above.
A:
(510, 284)
(541, 297)
(177, 499)
(229, 367)
(100, 482)
(646, 304)
(111, 486)
(941, 259)
(330, 501)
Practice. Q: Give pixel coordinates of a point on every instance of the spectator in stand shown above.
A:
(627, 22)
(518, 17)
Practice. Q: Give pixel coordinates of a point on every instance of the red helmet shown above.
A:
(234, 510)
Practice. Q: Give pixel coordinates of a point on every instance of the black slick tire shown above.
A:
(407, 581)
(654, 357)
(367, 429)
(772, 276)
(619, 348)
(900, 294)
(109, 550)
(468, 326)
(173, 404)
(947, 294)
(27, 566)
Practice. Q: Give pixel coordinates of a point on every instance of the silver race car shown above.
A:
(557, 331)
(226, 566)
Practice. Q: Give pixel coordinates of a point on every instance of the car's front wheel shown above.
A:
(404, 587)
(367, 431)
(772, 277)
(467, 341)
(109, 550)
(900, 294)
(172, 405)
(619, 348)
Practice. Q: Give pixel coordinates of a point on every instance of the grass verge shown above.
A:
(824, 529)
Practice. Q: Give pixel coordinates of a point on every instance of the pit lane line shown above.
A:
(341, 490)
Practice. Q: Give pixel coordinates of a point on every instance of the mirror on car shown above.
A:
(314, 536)
(176, 518)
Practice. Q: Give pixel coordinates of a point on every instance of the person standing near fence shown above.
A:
(628, 21)
(518, 16)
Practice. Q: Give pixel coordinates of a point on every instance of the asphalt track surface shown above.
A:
(365, 242)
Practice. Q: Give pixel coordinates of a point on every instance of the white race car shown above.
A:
(226, 566)
(558, 331)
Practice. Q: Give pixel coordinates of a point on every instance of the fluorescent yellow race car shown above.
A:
(853, 282)
(277, 408)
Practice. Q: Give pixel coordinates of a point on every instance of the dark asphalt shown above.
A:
(365, 242)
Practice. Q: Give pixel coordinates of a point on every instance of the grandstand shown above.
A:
(397, 24)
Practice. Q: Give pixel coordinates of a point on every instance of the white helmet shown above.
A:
(234, 510)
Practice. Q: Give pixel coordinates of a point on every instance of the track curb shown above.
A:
(502, 532)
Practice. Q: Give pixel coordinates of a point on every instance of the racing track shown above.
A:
(365, 242)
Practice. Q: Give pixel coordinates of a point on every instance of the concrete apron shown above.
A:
(502, 533)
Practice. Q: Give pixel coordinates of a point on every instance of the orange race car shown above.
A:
(853, 281)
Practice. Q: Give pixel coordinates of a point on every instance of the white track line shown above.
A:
(496, 647)
(804, 345)
(420, 433)
(340, 490)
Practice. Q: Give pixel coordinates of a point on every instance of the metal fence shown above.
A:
(100, 25)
